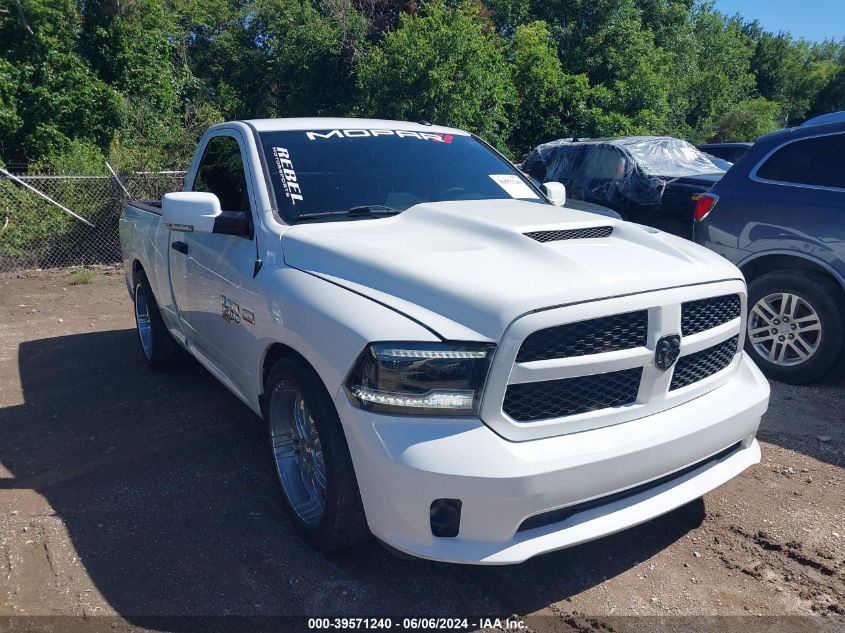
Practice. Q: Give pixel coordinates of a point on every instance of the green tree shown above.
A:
(672, 23)
(52, 95)
(791, 73)
(132, 47)
(507, 15)
(129, 46)
(605, 39)
(10, 120)
(722, 77)
(446, 65)
(747, 120)
(139, 80)
(831, 98)
(552, 103)
(302, 56)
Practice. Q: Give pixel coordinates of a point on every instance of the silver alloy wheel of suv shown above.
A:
(298, 454)
(784, 329)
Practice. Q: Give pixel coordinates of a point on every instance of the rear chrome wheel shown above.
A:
(142, 321)
(785, 329)
(298, 452)
(161, 351)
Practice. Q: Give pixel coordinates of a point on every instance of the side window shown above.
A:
(818, 161)
(221, 172)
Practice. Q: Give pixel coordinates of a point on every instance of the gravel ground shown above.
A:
(129, 493)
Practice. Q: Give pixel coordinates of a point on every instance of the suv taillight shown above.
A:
(704, 204)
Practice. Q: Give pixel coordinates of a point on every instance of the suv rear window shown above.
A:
(818, 161)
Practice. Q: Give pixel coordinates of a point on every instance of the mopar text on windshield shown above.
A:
(428, 136)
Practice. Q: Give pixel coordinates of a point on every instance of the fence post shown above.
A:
(117, 179)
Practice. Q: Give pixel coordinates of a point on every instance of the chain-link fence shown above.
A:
(49, 221)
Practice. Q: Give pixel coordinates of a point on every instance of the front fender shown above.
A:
(813, 252)
(327, 324)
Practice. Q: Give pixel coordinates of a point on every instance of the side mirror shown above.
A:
(190, 211)
(555, 192)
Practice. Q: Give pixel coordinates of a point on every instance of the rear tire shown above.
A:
(160, 350)
(795, 325)
(311, 458)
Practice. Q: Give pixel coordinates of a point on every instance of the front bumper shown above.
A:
(404, 463)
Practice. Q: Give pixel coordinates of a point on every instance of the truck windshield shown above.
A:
(348, 174)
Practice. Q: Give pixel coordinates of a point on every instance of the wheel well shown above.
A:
(275, 353)
(136, 268)
(770, 263)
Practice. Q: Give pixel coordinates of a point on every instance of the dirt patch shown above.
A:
(129, 493)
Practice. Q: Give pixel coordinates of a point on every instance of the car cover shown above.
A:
(635, 168)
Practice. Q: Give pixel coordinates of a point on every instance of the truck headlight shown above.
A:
(420, 378)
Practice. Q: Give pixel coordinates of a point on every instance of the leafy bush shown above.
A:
(747, 120)
(30, 228)
(37, 233)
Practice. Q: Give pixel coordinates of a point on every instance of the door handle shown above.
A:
(180, 247)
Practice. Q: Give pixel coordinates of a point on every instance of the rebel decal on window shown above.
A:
(285, 166)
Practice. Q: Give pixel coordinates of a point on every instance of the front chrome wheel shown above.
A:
(142, 321)
(298, 454)
(784, 329)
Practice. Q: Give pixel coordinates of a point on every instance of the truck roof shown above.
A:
(330, 123)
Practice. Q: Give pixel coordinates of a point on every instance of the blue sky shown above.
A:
(810, 19)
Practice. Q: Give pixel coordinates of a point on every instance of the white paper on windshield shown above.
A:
(514, 187)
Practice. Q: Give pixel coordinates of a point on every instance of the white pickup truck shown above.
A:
(444, 356)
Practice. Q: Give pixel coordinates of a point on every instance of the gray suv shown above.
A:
(779, 214)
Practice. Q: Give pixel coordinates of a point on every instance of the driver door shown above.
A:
(212, 274)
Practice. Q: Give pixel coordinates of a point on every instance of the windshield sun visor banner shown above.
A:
(423, 136)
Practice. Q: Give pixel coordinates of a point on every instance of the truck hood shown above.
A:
(466, 269)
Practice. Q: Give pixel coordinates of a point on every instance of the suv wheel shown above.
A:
(795, 323)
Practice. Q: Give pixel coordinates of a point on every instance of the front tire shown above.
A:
(795, 325)
(312, 460)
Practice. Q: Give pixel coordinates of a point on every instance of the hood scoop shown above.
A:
(570, 234)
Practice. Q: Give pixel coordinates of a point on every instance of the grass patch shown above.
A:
(82, 276)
